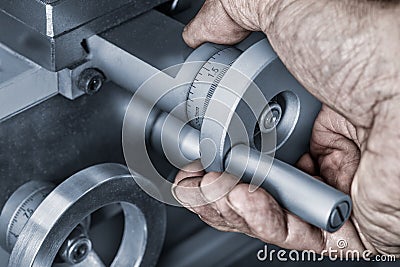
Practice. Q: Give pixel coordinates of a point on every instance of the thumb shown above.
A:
(213, 24)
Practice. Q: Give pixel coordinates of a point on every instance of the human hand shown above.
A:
(347, 54)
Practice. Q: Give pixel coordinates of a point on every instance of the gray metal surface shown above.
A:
(79, 196)
(68, 80)
(60, 137)
(178, 141)
(152, 37)
(51, 32)
(19, 207)
(22, 83)
(54, 17)
(92, 260)
(129, 61)
(312, 200)
(202, 89)
(224, 249)
(233, 108)
(232, 98)
(56, 139)
(131, 71)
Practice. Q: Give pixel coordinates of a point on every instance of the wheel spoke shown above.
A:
(92, 260)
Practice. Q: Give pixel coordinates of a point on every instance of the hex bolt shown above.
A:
(77, 247)
(270, 117)
(79, 250)
(91, 80)
(175, 6)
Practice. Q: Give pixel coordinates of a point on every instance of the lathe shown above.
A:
(101, 104)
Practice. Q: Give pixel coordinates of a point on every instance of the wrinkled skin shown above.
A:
(346, 53)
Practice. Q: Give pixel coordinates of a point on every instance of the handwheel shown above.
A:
(41, 226)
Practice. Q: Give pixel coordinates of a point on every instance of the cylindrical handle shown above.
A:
(312, 200)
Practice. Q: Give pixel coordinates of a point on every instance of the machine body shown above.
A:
(236, 109)
(226, 94)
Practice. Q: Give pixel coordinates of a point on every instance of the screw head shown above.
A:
(77, 250)
(77, 246)
(91, 80)
(270, 117)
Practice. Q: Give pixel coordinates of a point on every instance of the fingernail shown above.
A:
(231, 205)
(187, 192)
(174, 193)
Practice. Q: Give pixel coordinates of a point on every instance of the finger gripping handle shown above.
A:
(312, 200)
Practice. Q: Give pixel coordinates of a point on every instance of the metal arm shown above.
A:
(308, 198)
(312, 200)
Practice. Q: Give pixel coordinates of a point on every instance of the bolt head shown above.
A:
(270, 118)
(91, 80)
(77, 246)
(78, 250)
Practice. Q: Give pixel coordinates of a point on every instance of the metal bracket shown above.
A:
(23, 83)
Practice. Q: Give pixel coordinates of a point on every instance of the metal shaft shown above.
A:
(308, 198)
(312, 200)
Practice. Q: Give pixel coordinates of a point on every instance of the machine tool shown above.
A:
(77, 151)
(242, 107)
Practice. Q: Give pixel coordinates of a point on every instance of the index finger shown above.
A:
(213, 24)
